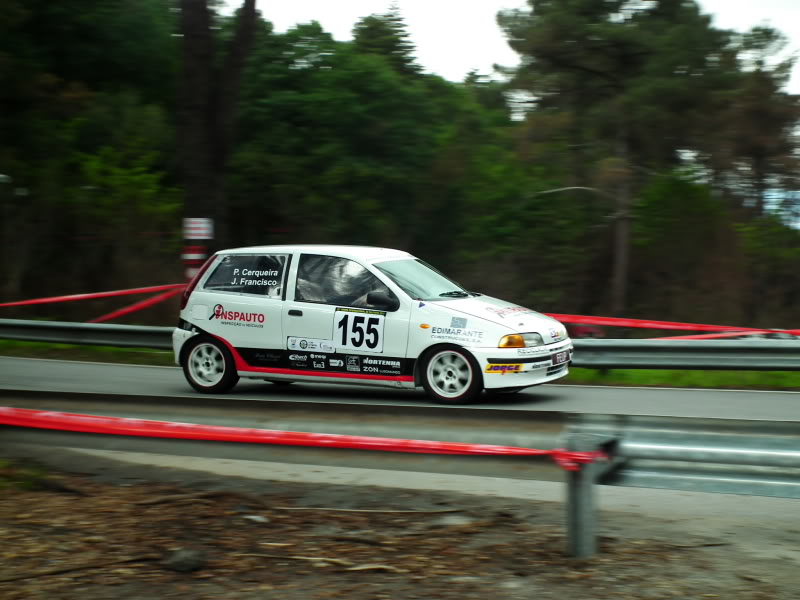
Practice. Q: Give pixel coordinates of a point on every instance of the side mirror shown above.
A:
(383, 301)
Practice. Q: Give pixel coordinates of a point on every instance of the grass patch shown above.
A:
(758, 380)
(109, 354)
(14, 474)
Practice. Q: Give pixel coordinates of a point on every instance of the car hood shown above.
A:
(516, 318)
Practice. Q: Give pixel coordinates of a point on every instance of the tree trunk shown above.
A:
(622, 228)
(208, 107)
(194, 143)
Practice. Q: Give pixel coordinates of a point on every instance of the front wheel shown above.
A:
(451, 376)
(208, 366)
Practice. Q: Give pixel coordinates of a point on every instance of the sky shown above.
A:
(454, 37)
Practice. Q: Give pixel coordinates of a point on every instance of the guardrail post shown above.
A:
(581, 539)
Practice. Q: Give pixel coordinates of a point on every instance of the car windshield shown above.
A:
(420, 280)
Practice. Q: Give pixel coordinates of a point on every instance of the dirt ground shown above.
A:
(132, 532)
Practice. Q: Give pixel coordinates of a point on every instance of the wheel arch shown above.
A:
(196, 331)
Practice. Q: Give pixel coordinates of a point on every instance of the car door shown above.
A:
(332, 330)
(241, 302)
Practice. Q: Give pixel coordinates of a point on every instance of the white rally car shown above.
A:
(353, 314)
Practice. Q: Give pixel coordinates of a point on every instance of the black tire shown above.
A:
(208, 365)
(451, 375)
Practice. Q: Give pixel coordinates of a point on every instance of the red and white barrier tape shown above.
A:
(125, 310)
(650, 324)
(716, 336)
(23, 417)
(95, 295)
(725, 330)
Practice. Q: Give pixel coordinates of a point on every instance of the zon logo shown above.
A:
(235, 315)
(503, 369)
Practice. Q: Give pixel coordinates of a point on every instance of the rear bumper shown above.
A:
(179, 338)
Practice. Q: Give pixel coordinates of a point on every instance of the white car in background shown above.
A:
(358, 315)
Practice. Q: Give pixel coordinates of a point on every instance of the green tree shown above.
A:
(386, 35)
(623, 92)
(750, 147)
(68, 71)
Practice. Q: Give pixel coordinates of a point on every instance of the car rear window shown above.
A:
(260, 274)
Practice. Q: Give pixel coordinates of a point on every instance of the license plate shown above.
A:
(560, 357)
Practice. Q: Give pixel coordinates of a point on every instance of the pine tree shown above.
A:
(386, 35)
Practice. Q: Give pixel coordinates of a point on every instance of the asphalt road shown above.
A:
(764, 528)
(66, 376)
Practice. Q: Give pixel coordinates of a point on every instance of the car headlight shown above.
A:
(521, 340)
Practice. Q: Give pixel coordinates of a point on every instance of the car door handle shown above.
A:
(295, 313)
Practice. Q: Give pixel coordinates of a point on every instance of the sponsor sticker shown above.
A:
(457, 334)
(529, 351)
(312, 345)
(503, 369)
(458, 323)
(381, 366)
(298, 359)
(237, 318)
(512, 310)
(270, 357)
(539, 365)
(354, 364)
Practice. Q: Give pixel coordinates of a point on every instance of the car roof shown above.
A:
(364, 253)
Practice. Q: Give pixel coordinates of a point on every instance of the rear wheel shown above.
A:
(450, 375)
(208, 365)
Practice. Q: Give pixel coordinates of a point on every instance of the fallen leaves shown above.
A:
(71, 547)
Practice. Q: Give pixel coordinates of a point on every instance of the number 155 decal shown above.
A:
(357, 329)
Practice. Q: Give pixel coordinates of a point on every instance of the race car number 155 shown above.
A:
(355, 329)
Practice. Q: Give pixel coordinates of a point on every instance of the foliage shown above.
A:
(650, 154)
(386, 36)
(84, 132)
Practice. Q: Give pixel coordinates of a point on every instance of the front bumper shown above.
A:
(521, 367)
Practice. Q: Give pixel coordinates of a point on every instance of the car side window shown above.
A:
(335, 280)
(259, 274)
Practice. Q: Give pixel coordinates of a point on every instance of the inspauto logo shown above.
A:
(238, 318)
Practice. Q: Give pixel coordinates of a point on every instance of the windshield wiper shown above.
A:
(455, 294)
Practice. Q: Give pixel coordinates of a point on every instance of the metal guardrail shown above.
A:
(750, 355)
(92, 334)
(744, 355)
(759, 458)
(726, 456)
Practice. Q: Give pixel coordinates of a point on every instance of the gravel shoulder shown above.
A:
(97, 528)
